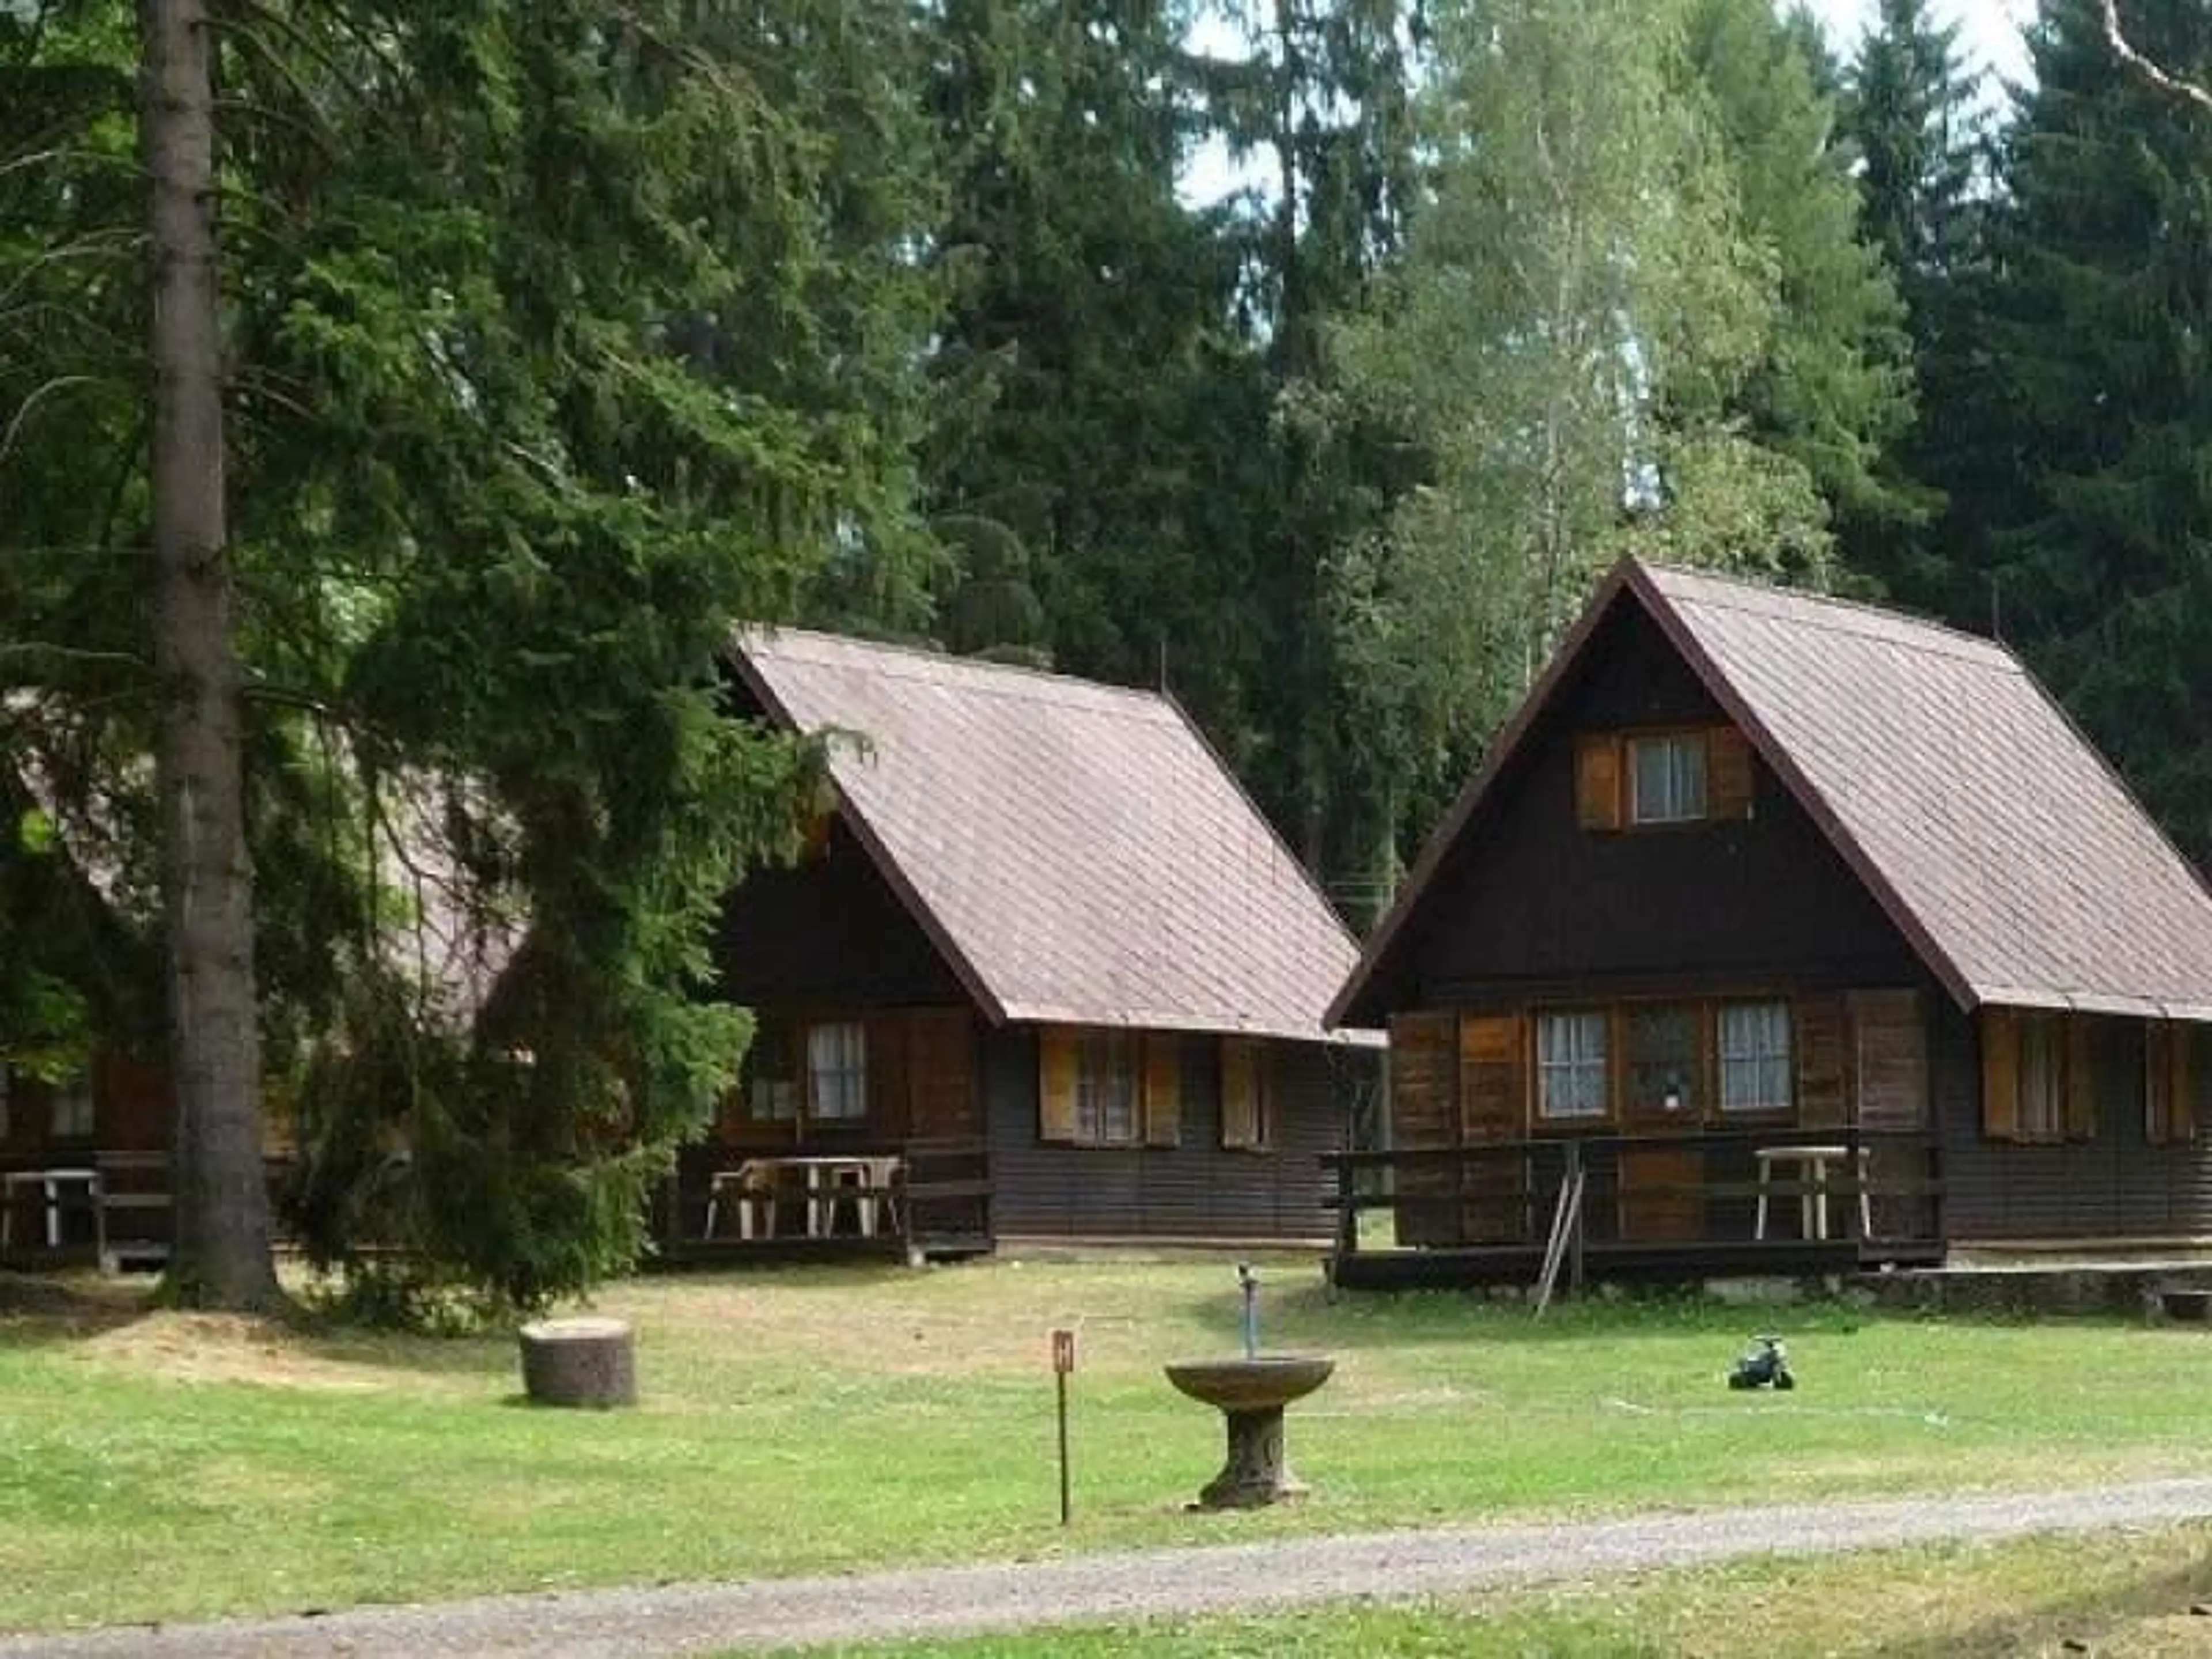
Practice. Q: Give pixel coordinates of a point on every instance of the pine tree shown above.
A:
(1579, 311)
(1911, 117)
(1832, 390)
(2100, 562)
(1101, 433)
(1321, 104)
(557, 344)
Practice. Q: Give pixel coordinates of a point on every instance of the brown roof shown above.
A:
(1077, 851)
(2007, 853)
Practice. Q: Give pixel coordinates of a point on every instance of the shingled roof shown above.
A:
(2007, 852)
(1076, 851)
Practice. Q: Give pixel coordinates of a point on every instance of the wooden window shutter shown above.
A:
(885, 1037)
(1424, 1100)
(1492, 1089)
(1162, 1089)
(1728, 774)
(1598, 780)
(1891, 1047)
(1058, 1057)
(1823, 1063)
(940, 1065)
(2081, 1078)
(1999, 1074)
(2183, 1113)
(1241, 1128)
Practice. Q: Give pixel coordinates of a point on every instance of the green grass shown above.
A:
(834, 1418)
(2128, 1595)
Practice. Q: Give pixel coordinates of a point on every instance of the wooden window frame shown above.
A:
(1608, 1061)
(791, 1035)
(77, 1097)
(1765, 1111)
(1691, 738)
(2170, 1095)
(1260, 1137)
(1091, 1043)
(854, 1077)
(1068, 1073)
(1694, 1109)
(2068, 1041)
(2044, 1034)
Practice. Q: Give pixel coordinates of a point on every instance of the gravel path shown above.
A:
(632, 1624)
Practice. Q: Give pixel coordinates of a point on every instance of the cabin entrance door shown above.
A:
(1663, 1068)
(1495, 1199)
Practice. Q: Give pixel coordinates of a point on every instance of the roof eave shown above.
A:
(1684, 638)
(971, 978)
(1502, 750)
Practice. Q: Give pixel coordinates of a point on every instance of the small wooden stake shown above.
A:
(1063, 1362)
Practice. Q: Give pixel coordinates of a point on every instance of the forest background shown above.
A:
(556, 338)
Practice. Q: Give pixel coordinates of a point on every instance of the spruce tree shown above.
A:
(1912, 118)
(1832, 389)
(2100, 563)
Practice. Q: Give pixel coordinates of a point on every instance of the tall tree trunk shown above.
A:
(222, 1254)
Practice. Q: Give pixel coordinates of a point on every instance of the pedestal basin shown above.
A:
(1250, 1394)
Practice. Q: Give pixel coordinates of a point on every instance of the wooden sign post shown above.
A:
(1063, 1366)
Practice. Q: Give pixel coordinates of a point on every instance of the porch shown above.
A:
(1569, 1209)
(906, 1199)
(59, 1206)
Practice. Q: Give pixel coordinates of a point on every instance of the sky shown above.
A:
(1990, 39)
(1989, 30)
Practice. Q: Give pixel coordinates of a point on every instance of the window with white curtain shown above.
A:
(1570, 1066)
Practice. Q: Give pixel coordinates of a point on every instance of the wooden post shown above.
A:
(1574, 1239)
(1063, 1362)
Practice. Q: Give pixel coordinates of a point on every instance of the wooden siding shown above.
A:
(1532, 901)
(828, 930)
(2113, 1184)
(1193, 1190)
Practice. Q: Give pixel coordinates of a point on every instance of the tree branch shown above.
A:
(2156, 78)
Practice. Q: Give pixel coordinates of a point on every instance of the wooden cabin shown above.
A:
(1782, 932)
(1044, 973)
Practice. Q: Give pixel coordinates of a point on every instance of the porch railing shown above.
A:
(1747, 1192)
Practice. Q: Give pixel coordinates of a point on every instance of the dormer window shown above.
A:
(1667, 778)
(1653, 779)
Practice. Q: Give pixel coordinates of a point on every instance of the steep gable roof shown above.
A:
(2007, 852)
(1077, 851)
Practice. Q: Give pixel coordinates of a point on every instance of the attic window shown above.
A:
(1667, 778)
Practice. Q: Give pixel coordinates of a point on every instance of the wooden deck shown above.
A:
(936, 1205)
(1574, 1209)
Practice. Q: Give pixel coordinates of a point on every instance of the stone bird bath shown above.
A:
(1250, 1394)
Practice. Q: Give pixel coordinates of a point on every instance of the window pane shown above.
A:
(1668, 779)
(2039, 1074)
(1755, 1068)
(1662, 1059)
(1106, 1090)
(837, 1061)
(1570, 1072)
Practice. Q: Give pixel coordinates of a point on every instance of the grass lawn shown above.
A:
(2126, 1596)
(156, 1466)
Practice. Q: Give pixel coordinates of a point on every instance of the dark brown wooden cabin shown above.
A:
(111, 1121)
(1764, 894)
(1044, 973)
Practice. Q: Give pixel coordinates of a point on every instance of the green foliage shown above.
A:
(1832, 389)
(559, 344)
(2098, 554)
(1911, 117)
(618, 348)
(1580, 312)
